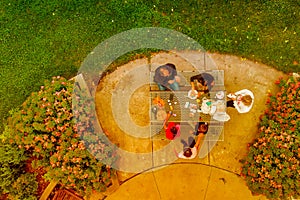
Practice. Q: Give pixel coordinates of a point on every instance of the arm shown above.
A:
(176, 153)
(193, 85)
(196, 128)
(157, 77)
(171, 81)
(194, 91)
(177, 78)
(200, 136)
(231, 96)
(166, 120)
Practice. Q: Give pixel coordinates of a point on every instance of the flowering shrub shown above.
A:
(45, 128)
(24, 187)
(14, 181)
(272, 166)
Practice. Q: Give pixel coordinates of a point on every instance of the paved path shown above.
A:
(215, 176)
(191, 181)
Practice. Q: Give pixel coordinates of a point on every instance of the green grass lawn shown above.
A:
(40, 39)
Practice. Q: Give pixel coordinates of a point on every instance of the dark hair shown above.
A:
(171, 65)
(204, 79)
(174, 131)
(187, 152)
(203, 128)
(247, 100)
(208, 79)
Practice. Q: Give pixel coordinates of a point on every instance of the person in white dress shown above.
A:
(241, 100)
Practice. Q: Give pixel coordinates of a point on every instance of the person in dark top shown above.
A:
(166, 77)
(202, 83)
(200, 127)
(191, 147)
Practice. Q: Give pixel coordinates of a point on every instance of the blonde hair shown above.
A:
(247, 100)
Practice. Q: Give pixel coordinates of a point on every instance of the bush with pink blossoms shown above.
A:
(272, 166)
(45, 127)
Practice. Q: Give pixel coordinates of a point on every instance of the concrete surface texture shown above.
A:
(214, 177)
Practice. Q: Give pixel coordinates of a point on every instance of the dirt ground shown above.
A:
(240, 130)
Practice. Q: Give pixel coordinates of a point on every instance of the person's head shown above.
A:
(170, 65)
(164, 71)
(174, 131)
(187, 152)
(246, 100)
(203, 128)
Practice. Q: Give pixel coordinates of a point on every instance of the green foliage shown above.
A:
(41, 39)
(272, 166)
(24, 187)
(13, 178)
(45, 128)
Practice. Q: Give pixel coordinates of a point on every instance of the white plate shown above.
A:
(220, 95)
(192, 96)
(222, 117)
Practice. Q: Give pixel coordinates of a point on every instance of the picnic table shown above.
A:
(185, 109)
(188, 110)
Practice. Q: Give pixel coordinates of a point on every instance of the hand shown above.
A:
(231, 96)
(177, 79)
(194, 92)
(171, 81)
(200, 94)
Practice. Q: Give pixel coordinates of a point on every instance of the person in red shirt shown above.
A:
(172, 129)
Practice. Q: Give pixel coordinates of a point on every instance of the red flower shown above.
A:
(277, 82)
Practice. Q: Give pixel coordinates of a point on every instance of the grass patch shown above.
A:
(42, 39)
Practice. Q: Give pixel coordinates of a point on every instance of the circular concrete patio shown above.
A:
(216, 175)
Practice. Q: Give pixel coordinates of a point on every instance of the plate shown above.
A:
(222, 117)
(192, 94)
(220, 95)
